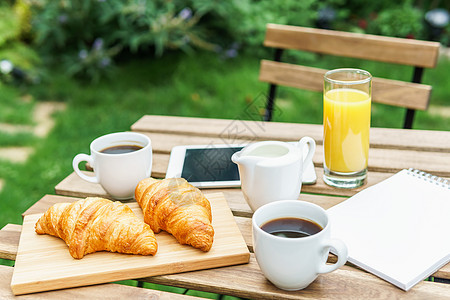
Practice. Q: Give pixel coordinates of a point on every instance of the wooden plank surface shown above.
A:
(364, 46)
(45, 202)
(74, 186)
(385, 91)
(43, 262)
(247, 281)
(256, 130)
(345, 283)
(103, 291)
(388, 160)
(9, 241)
(234, 198)
(242, 214)
(380, 159)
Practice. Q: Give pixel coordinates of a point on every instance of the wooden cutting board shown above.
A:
(43, 262)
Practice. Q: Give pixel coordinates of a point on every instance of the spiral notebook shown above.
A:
(398, 229)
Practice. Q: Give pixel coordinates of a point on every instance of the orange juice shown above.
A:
(346, 123)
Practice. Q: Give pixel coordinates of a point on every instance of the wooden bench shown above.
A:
(410, 95)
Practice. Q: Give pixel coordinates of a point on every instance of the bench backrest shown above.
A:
(411, 95)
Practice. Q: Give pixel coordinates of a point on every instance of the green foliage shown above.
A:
(159, 24)
(386, 17)
(86, 35)
(244, 21)
(403, 20)
(61, 25)
(20, 55)
(70, 30)
(9, 25)
(12, 47)
(23, 14)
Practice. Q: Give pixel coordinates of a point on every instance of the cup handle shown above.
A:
(76, 161)
(341, 252)
(312, 148)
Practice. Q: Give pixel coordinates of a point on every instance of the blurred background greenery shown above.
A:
(112, 61)
(87, 37)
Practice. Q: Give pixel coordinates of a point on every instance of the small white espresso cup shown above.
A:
(293, 263)
(118, 174)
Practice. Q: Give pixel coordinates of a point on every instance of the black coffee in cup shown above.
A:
(291, 227)
(121, 149)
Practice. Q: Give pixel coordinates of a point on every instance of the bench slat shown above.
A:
(252, 130)
(74, 186)
(364, 46)
(101, 291)
(426, 161)
(385, 91)
(9, 241)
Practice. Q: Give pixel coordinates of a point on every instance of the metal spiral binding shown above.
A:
(439, 181)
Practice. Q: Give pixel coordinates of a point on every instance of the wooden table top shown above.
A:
(391, 151)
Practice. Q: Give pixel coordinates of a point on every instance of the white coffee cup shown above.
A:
(272, 170)
(118, 174)
(293, 263)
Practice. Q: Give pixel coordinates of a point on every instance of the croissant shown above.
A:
(96, 224)
(175, 206)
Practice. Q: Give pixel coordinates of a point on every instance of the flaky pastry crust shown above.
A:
(175, 206)
(97, 224)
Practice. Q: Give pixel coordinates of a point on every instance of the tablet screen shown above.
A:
(210, 164)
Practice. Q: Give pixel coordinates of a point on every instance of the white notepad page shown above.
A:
(398, 229)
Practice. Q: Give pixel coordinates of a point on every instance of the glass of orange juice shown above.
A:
(347, 97)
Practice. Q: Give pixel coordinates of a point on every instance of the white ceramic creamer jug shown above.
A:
(272, 170)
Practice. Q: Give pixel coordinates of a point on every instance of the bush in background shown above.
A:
(86, 35)
(403, 20)
(390, 18)
(12, 45)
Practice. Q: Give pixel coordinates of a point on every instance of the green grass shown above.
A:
(200, 85)
(177, 290)
(14, 109)
(16, 139)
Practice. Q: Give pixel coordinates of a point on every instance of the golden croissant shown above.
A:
(96, 224)
(177, 207)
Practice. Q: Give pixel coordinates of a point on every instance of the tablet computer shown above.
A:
(210, 166)
(205, 166)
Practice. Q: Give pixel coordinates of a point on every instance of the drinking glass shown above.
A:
(346, 123)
